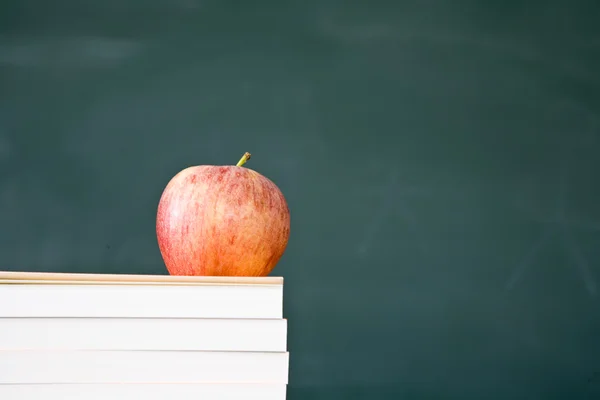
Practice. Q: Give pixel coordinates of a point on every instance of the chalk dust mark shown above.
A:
(366, 33)
(529, 258)
(378, 218)
(80, 52)
(560, 226)
(393, 200)
(587, 140)
(580, 261)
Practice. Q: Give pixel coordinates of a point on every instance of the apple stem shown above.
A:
(243, 160)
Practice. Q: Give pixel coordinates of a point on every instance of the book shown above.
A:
(36, 294)
(85, 367)
(95, 336)
(224, 391)
(193, 334)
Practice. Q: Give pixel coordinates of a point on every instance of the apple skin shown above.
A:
(222, 221)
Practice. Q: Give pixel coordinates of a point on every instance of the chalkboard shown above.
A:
(440, 160)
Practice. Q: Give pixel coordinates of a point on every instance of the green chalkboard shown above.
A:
(440, 160)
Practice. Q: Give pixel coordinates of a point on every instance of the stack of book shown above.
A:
(96, 336)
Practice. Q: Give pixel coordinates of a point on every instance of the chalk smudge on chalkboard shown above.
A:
(580, 261)
(66, 52)
(5, 147)
(560, 228)
(393, 201)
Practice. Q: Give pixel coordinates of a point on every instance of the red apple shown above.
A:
(222, 221)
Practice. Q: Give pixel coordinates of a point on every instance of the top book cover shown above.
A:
(18, 277)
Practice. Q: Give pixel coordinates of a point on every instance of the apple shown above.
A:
(222, 220)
